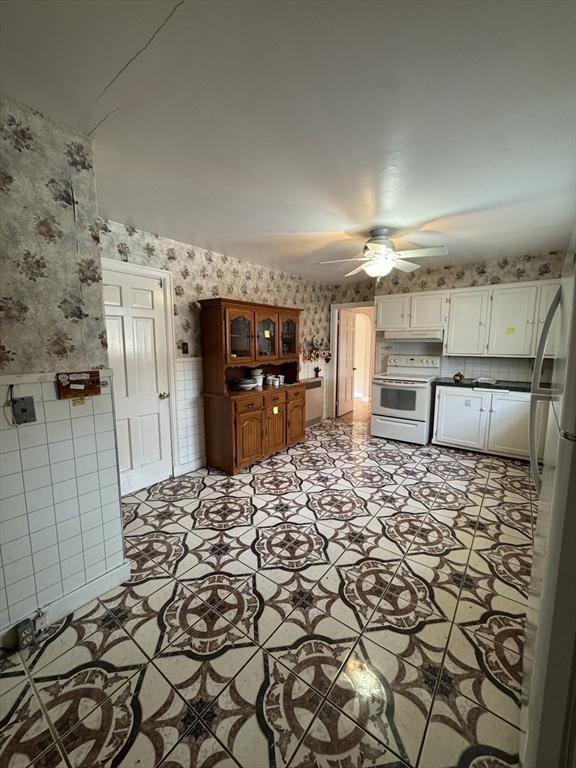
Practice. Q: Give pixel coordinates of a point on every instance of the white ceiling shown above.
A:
(275, 131)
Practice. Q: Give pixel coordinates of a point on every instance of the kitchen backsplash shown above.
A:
(512, 369)
(51, 302)
(200, 274)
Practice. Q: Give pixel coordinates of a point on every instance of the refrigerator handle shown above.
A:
(537, 372)
(537, 392)
(533, 444)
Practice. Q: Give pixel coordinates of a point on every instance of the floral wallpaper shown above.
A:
(528, 267)
(51, 290)
(200, 274)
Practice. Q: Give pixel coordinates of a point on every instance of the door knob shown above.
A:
(164, 395)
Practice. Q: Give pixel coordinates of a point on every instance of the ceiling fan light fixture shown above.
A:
(379, 268)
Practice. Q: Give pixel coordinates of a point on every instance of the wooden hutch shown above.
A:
(242, 427)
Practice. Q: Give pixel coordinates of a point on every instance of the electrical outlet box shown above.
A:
(40, 622)
(23, 410)
(26, 633)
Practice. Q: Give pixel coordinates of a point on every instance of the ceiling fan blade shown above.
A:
(354, 271)
(337, 261)
(405, 266)
(420, 253)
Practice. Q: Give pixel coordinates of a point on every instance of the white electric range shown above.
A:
(402, 398)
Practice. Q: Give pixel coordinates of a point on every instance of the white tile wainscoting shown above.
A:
(190, 452)
(61, 538)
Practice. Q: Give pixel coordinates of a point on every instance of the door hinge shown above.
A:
(161, 283)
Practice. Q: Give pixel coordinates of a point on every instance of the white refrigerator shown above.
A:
(549, 706)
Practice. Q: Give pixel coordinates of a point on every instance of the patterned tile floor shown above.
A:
(349, 603)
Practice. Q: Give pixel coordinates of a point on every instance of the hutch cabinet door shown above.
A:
(249, 444)
(296, 420)
(275, 428)
(239, 335)
(266, 335)
(289, 334)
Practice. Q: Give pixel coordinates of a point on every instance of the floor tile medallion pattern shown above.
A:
(349, 603)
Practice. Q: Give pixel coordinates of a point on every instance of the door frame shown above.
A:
(166, 279)
(334, 318)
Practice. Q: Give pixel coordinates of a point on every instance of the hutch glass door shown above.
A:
(266, 335)
(288, 336)
(240, 334)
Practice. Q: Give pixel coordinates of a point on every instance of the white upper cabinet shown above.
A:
(428, 310)
(467, 322)
(494, 321)
(547, 293)
(512, 320)
(392, 311)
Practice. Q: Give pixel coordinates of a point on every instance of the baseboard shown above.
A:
(191, 466)
(73, 600)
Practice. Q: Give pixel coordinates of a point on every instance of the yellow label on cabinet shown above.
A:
(267, 334)
(510, 331)
(274, 409)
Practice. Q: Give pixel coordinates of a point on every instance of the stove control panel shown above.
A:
(414, 361)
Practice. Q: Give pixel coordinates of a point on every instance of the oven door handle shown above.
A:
(419, 385)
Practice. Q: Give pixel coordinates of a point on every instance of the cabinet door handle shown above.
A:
(250, 405)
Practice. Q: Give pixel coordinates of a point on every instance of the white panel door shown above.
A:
(467, 322)
(547, 293)
(346, 333)
(392, 312)
(136, 325)
(428, 310)
(461, 418)
(512, 321)
(509, 420)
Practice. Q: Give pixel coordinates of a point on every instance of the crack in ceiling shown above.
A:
(130, 61)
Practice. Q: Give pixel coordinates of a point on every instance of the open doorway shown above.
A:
(354, 364)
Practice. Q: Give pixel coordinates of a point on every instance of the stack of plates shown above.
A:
(246, 384)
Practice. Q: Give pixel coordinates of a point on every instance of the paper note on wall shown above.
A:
(274, 409)
(510, 331)
(468, 403)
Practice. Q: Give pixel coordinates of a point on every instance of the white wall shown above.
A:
(60, 518)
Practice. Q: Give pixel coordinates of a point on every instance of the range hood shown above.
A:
(431, 334)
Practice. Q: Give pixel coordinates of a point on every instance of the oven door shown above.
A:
(403, 400)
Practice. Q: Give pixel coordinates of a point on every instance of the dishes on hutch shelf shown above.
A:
(246, 384)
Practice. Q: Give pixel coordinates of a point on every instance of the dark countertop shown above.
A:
(512, 386)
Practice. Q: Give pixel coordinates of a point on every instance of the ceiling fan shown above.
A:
(379, 257)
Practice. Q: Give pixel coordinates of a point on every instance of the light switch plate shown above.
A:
(23, 410)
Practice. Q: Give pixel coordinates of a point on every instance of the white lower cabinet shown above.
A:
(484, 421)
(461, 417)
(509, 423)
